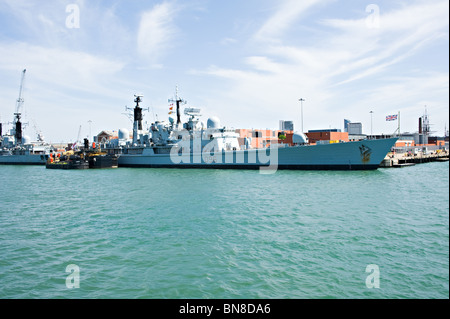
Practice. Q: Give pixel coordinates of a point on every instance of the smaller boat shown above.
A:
(83, 159)
(98, 159)
(69, 160)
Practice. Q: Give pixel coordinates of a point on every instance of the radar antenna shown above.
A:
(178, 101)
(137, 111)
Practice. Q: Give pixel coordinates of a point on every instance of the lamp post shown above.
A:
(371, 124)
(301, 107)
(90, 122)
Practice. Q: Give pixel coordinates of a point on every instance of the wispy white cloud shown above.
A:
(62, 86)
(37, 21)
(68, 66)
(401, 33)
(228, 41)
(408, 94)
(332, 73)
(286, 14)
(45, 24)
(157, 31)
(267, 58)
(425, 15)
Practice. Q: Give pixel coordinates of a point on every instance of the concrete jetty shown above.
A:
(409, 158)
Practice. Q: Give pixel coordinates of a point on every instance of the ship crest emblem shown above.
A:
(366, 152)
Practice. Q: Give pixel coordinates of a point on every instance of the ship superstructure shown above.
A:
(195, 145)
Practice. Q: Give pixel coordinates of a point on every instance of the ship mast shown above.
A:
(137, 112)
(178, 101)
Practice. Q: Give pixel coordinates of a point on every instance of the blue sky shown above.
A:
(247, 62)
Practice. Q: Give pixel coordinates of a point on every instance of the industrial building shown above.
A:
(286, 125)
(327, 136)
(105, 136)
(354, 130)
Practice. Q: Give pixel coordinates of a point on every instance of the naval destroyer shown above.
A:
(18, 149)
(193, 144)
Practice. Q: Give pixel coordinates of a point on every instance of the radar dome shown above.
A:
(299, 138)
(124, 134)
(26, 140)
(213, 122)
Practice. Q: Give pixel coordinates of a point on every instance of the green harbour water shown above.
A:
(174, 233)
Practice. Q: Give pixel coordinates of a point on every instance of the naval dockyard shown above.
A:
(212, 145)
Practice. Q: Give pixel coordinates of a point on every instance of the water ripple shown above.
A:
(144, 233)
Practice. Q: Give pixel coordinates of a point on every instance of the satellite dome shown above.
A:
(299, 138)
(213, 122)
(124, 134)
(26, 140)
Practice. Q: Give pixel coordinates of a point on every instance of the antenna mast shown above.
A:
(178, 101)
(137, 116)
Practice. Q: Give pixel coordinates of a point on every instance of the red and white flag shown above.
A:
(391, 117)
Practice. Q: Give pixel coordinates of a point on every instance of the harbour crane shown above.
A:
(17, 114)
(78, 139)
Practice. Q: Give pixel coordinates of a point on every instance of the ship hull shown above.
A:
(80, 164)
(255, 167)
(107, 161)
(360, 155)
(23, 159)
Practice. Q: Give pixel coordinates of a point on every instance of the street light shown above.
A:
(301, 105)
(371, 122)
(90, 122)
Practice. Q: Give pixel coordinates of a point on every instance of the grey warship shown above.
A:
(17, 149)
(195, 145)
